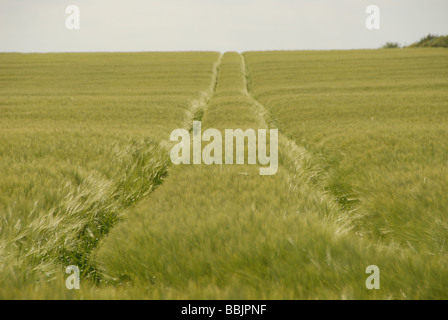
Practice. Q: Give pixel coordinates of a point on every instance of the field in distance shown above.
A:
(362, 176)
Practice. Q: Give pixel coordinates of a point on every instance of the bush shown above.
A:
(389, 45)
(431, 41)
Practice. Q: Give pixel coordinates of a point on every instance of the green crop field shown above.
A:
(87, 178)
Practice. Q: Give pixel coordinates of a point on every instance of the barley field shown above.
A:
(87, 178)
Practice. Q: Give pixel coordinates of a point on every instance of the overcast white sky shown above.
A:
(220, 25)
